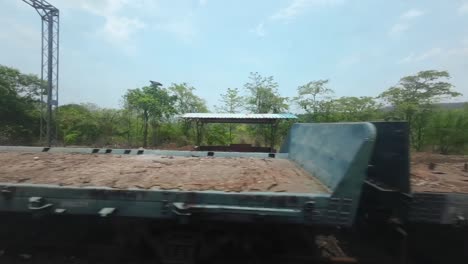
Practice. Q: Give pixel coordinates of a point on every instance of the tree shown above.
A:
(152, 102)
(19, 104)
(187, 101)
(447, 130)
(231, 102)
(78, 125)
(315, 99)
(264, 96)
(350, 108)
(413, 99)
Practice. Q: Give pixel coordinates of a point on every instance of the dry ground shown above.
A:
(157, 172)
(439, 173)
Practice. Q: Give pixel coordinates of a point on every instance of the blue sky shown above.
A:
(363, 47)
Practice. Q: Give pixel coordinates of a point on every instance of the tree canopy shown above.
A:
(152, 102)
(186, 100)
(19, 104)
(413, 99)
(148, 116)
(263, 95)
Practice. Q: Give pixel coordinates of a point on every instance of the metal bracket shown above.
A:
(106, 211)
(181, 209)
(184, 209)
(38, 203)
(6, 193)
(60, 211)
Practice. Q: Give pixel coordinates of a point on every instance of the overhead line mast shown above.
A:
(49, 68)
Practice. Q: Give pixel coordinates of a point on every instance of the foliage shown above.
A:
(263, 95)
(231, 101)
(19, 101)
(187, 101)
(314, 98)
(448, 130)
(216, 134)
(148, 113)
(77, 125)
(349, 108)
(413, 99)
(152, 102)
(263, 98)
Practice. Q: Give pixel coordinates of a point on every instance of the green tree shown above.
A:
(314, 98)
(187, 101)
(152, 102)
(413, 99)
(77, 125)
(110, 123)
(231, 102)
(19, 105)
(350, 108)
(263, 95)
(447, 130)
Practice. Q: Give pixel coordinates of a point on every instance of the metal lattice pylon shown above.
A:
(49, 68)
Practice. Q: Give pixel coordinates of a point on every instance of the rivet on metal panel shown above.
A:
(106, 211)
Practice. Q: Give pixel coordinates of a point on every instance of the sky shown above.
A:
(362, 47)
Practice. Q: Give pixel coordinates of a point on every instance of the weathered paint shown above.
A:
(337, 154)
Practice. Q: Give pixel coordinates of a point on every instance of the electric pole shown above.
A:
(49, 68)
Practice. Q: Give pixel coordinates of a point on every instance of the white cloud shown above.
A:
(447, 54)
(434, 52)
(404, 22)
(460, 51)
(412, 13)
(123, 19)
(117, 27)
(259, 30)
(297, 7)
(121, 28)
(398, 28)
(181, 28)
(463, 9)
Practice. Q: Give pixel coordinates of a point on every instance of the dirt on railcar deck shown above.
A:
(236, 174)
(439, 173)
